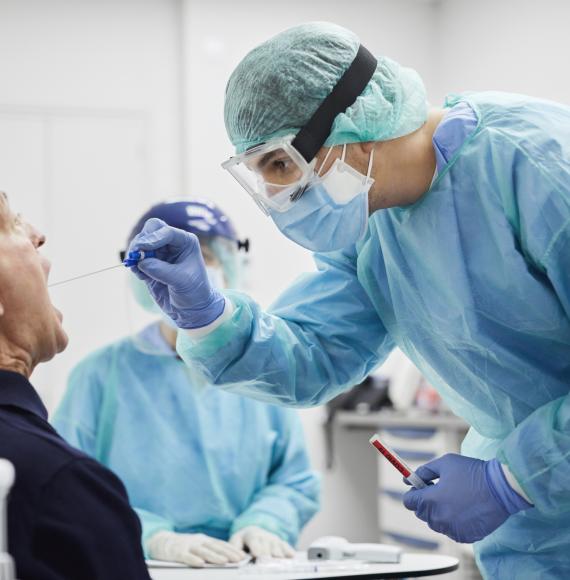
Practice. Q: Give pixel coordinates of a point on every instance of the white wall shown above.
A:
(90, 134)
(509, 45)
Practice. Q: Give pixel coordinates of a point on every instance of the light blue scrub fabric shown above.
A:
(192, 460)
(472, 282)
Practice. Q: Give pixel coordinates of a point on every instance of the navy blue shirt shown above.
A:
(68, 516)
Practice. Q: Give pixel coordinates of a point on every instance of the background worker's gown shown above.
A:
(192, 460)
(472, 282)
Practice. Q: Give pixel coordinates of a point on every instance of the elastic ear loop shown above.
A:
(319, 173)
(370, 162)
(342, 158)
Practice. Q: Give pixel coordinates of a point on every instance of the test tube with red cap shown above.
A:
(397, 462)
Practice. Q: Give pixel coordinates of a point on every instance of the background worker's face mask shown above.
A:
(332, 213)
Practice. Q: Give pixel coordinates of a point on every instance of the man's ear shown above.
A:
(1, 309)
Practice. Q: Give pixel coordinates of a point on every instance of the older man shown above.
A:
(68, 516)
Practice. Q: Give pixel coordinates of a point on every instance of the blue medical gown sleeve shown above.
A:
(291, 496)
(538, 449)
(322, 336)
(80, 417)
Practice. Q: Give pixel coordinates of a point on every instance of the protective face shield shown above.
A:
(231, 261)
(333, 211)
(143, 298)
(275, 174)
(222, 261)
(142, 295)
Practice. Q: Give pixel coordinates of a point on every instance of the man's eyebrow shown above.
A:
(266, 159)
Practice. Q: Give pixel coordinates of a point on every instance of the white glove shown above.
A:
(192, 549)
(260, 542)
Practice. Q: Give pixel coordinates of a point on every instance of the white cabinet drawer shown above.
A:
(394, 517)
(417, 439)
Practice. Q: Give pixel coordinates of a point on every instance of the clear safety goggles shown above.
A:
(275, 174)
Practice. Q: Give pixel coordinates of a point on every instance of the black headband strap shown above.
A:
(313, 135)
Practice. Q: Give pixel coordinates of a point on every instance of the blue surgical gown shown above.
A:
(192, 460)
(472, 282)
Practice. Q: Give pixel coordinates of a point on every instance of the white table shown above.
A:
(410, 566)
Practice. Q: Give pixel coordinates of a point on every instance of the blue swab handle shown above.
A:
(134, 257)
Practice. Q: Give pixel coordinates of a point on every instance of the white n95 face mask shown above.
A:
(332, 213)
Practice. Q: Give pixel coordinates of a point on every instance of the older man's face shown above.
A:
(29, 323)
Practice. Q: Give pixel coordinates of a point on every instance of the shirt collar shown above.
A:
(17, 391)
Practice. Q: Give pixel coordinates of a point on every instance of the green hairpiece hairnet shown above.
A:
(278, 86)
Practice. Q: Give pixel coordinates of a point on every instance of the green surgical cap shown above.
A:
(278, 86)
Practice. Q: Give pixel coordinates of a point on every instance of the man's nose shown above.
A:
(36, 237)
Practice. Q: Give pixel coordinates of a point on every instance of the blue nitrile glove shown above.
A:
(471, 499)
(177, 277)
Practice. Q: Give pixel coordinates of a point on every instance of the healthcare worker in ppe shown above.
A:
(210, 473)
(444, 231)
